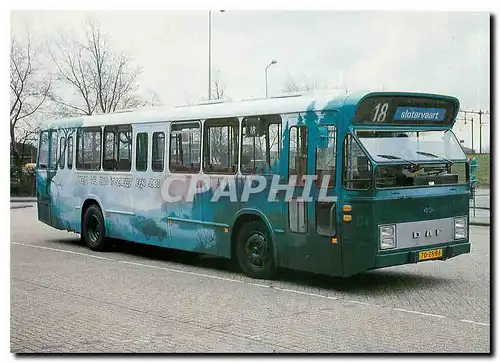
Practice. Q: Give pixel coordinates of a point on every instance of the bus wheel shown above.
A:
(255, 252)
(93, 229)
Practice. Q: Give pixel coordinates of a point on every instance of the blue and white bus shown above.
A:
(334, 184)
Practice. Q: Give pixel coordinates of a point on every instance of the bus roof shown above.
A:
(276, 105)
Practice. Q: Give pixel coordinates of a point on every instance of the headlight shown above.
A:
(387, 236)
(460, 227)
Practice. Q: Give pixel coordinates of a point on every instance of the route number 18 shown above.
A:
(380, 112)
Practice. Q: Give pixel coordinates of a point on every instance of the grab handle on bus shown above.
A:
(332, 216)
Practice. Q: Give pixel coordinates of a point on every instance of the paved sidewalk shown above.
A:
(479, 217)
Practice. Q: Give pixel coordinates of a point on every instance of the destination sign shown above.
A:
(419, 113)
(402, 110)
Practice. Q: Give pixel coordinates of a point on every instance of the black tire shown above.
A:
(93, 229)
(254, 251)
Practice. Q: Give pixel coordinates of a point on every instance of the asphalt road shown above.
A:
(66, 298)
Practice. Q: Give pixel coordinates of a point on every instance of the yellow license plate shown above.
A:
(431, 254)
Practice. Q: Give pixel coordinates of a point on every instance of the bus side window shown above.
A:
(43, 150)
(62, 152)
(141, 152)
(117, 152)
(53, 150)
(220, 148)
(70, 152)
(110, 151)
(297, 160)
(185, 147)
(88, 148)
(43, 153)
(326, 156)
(124, 150)
(357, 171)
(261, 144)
(158, 152)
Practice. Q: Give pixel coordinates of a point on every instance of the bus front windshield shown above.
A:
(421, 146)
(422, 158)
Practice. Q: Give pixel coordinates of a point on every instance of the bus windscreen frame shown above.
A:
(405, 110)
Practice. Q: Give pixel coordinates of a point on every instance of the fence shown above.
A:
(479, 211)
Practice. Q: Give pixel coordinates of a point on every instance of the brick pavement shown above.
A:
(63, 302)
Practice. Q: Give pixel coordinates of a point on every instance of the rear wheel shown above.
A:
(93, 230)
(254, 251)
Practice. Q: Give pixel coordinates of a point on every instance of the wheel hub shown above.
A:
(255, 247)
(94, 229)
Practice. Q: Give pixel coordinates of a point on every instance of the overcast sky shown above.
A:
(443, 52)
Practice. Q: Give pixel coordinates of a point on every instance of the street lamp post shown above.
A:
(269, 65)
(210, 53)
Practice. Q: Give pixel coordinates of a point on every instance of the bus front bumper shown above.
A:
(404, 257)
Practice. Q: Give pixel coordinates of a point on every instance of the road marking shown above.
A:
(299, 292)
(64, 251)
(420, 313)
(251, 283)
(473, 322)
(180, 271)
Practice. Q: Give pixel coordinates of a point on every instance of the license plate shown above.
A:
(431, 254)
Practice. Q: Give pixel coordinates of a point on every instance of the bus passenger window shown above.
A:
(62, 152)
(158, 151)
(141, 152)
(220, 146)
(326, 156)
(117, 153)
(261, 144)
(43, 153)
(124, 151)
(70, 152)
(110, 151)
(297, 160)
(53, 150)
(357, 171)
(185, 147)
(88, 148)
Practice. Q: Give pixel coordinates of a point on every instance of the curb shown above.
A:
(487, 224)
(21, 206)
(24, 200)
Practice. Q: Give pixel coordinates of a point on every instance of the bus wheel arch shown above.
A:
(93, 227)
(252, 229)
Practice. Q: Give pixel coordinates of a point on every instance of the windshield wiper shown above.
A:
(394, 157)
(434, 156)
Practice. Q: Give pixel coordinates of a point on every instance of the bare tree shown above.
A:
(29, 89)
(292, 85)
(100, 80)
(218, 86)
(153, 98)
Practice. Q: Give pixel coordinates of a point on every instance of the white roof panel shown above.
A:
(208, 111)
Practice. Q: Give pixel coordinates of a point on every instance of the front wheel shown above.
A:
(255, 251)
(93, 231)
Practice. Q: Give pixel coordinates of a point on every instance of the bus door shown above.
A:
(311, 224)
(150, 166)
(325, 211)
(47, 161)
